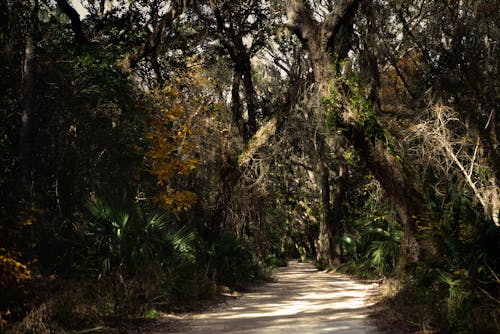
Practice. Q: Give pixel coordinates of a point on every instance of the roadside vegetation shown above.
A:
(155, 154)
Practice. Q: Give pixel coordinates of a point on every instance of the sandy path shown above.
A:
(302, 300)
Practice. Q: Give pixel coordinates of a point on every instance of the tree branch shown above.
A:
(133, 57)
(76, 23)
(342, 12)
(300, 20)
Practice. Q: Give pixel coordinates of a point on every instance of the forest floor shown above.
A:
(300, 299)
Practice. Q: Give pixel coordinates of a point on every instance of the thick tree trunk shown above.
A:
(242, 78)
(317, 37)
(29, 105)
(327, 249)
(330, 227)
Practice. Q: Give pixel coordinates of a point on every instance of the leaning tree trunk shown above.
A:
(399, 183)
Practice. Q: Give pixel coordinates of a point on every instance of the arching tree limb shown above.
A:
(76, 23)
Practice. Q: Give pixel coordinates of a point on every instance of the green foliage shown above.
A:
(272, 260)
(383, 254)
(352, 89)
(373, 250)
(371, 242)
(233, 263)
(457, 291)
(124, 237)
(445, 302)
(332, 105)
(120, 257)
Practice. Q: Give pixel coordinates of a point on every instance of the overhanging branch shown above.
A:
(76, 23)
(151, 44)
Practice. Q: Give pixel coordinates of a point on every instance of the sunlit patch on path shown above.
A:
(302, 300)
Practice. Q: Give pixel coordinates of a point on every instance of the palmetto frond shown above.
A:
(128, 237)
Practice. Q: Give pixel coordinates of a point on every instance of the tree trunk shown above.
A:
(338, 200)
(236, 105)
(76, 24)
(29, 105)
(242, 78)
(251, 124)
(327, 249)
(396, 180)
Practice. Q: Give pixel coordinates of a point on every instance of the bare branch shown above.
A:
(133, 57)
(448, 150)
(76, 23)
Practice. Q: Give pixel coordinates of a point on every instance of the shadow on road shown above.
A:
(301, 300)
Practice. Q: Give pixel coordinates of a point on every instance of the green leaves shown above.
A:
(383, 255)
(372, 248)
(124, 237)
(232, 261)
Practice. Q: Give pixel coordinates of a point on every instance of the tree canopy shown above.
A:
(157, 149)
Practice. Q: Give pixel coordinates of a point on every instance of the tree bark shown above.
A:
(29, 105)
(76, 23)
(338, 200)
(251, 123)
(242, 76)
(236, 106)
(133, 57)
(327, 248)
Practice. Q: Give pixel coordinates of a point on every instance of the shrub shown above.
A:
(233, 263)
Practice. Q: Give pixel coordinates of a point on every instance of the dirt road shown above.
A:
(302, 300)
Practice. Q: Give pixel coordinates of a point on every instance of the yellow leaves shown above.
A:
(4, 314)
(28, 221)
(176, 200)
(170, 153)
(169, 147)
(187, 167)
(12, 270)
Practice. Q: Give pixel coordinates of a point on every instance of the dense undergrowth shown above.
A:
(125, 261)
(455, 290)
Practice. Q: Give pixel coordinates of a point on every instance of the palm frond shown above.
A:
(182, 241)
(383, 254)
